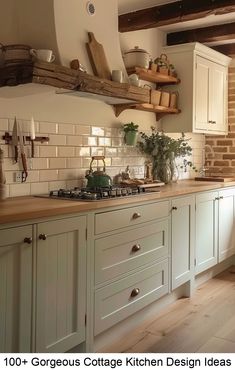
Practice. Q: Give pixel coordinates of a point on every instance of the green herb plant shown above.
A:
(127, 127)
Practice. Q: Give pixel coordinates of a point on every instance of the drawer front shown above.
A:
(121, 299)
(122, 253)
(113, 220)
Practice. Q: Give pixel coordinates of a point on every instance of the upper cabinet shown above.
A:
(203, 92)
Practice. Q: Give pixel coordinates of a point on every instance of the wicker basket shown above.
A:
(14, 54)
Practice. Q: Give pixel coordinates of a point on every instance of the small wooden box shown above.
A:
(165, 99)
(155, 97)
(174, 99)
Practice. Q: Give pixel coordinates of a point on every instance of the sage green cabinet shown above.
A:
(15, 289)
(60, 284)
(182, 239)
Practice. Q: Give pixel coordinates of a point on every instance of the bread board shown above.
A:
(215, 178)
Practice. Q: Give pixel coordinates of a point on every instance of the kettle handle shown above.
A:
(98, 158)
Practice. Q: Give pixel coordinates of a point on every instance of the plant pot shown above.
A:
(131, 138)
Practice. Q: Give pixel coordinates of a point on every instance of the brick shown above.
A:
(231, 128)
(228, 169)
(231, 105)
(210, 142)
(229, 156)
(231, 135)
(220, 149)
(232, 149)
(221, 163)
(224, 142)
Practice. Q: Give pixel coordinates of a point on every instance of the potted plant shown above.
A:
(130, 133)
(163, 150)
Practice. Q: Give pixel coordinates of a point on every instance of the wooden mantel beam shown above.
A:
(207, 34)
(176, 12)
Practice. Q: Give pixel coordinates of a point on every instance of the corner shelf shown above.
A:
(151, 76)
(159, 110)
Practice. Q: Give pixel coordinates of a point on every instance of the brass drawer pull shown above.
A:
(174, 208)
(42, 236)
(136, 248)
(221, 197)
(216, 198)
(136, 215)
(28, 240)
(135, 292)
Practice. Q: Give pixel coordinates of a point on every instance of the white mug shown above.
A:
(134, 79)
(117, 75)
(45, 55)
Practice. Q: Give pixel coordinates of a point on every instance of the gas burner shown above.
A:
(96, 194)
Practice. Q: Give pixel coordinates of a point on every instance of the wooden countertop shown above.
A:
(29, 208)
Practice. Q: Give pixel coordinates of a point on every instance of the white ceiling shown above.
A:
(125, 6)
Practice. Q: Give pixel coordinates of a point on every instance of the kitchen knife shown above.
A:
(15, 140)
(22, 152)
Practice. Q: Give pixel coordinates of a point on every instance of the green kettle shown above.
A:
(98, 178)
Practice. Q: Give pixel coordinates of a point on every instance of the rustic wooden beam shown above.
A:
(227, 49)
(206, 34)
(176, 12)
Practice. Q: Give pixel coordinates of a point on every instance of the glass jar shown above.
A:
(162, 170)
(174, 168)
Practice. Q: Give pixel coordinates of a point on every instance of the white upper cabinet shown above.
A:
(203, 92)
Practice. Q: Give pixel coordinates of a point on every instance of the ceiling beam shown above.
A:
(207, 34)
(179, 11)
(227, 49)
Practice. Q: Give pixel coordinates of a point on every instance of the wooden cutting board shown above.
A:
(97, 58)
(215, 178)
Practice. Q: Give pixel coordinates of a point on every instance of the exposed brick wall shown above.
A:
(223, 159)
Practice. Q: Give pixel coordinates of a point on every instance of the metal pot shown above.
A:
(98, 178)
(136, 58)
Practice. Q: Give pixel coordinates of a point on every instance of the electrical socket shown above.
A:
(18, 177)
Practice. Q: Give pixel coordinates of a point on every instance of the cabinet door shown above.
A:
(226, 223)
(201, 98)
(218, 98)
(15, 289)
(61, 273)
(206, 231)
(183, 231)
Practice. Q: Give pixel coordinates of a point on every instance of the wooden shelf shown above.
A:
(150, 76)
(159, 110)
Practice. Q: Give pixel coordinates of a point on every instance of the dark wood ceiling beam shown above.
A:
(179, 11)
(206, 34)
(227, 49)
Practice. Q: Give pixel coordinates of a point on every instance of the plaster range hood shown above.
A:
(63, 27)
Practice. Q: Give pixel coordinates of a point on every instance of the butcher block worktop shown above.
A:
(27, 208)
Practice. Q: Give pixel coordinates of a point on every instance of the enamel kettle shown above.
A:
(98, 178)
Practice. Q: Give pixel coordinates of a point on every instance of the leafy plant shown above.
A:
(127, 127)
(159, 147)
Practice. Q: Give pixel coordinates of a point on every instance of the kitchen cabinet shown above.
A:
(203, 90)
(214, 228)
(130, 261)
(16, 289)
(182, 239)
(60, 284)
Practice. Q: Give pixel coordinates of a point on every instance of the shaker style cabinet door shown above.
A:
(61, 284)
(183, 229)
(226, 223)
(201, 100)
(15, 289)
(206, 231)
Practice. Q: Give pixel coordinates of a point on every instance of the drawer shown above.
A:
(121, 299)
(121, 253)
(113, 220)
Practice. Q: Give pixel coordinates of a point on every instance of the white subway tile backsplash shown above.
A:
(55, 163)
(66, 151)
(63, 161)
(48, 127)
(74, 140)
(47, 151)
(57, 140)
(66, 129)
(97, 131)
(82, 130)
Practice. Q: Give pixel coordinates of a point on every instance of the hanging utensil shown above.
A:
(32, 136)
(15, 140)
(22, 152)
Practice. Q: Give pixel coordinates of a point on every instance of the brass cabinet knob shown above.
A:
(136, 248)
(135, 292)
(28, 240)
(136, 215)
(216, 198)
(42, 236)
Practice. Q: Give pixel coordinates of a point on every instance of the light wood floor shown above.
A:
(203, 323)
